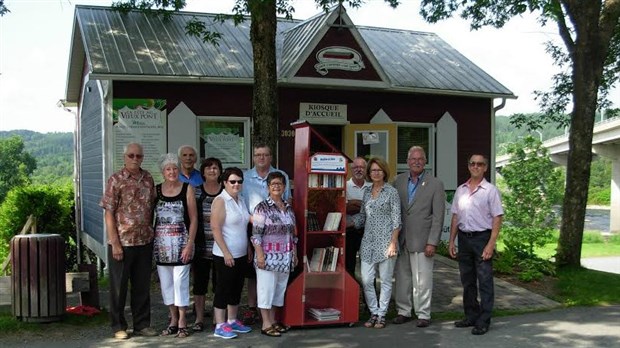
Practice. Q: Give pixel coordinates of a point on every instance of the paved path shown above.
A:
(606, 264)
(573, 327)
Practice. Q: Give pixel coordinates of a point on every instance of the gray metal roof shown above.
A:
(137, 46)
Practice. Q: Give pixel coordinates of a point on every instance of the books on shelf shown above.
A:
(324, 259)
(325, 181)
(324, 314)
(313, 222)
(332, 221)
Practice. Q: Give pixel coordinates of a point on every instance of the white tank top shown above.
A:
(235, 226)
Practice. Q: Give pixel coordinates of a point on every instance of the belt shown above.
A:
(470, 234)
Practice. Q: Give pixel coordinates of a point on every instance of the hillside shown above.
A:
(53, 152)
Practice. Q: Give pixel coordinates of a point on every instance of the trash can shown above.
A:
(38, 277)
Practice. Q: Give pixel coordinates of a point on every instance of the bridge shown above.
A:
(606, 143)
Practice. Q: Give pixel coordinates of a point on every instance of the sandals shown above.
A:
(170, 330)
(271, 332)
(183, 332)
(372, 321)
(281, 328)
(380, 324)
(198, 327)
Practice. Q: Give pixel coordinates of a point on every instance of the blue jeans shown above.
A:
(476, 276)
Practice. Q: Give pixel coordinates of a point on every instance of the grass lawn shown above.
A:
(594, 245)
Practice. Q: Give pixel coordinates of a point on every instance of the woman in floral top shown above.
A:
(380, 217)
(274, 239)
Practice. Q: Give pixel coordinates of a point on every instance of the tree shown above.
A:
(533, 187)
(16, 165)
(3, 8)
(263, 28)
(590, 31)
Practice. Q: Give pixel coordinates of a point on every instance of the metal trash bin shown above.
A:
(38, 277)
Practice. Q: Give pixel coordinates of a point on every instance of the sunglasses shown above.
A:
(135, 155)
(477, 164)
(232, 182)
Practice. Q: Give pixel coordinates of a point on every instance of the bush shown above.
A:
(52, 206)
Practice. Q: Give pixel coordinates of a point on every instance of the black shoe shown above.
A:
(401, 319)
(479, 330)
(463, 323)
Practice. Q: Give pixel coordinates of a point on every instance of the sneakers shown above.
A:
(250, 317)
(147, 331)
(225, 331)
(121, 335)
(238, 326)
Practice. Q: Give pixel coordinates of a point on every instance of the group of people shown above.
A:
(225, 225)
(396, 229)
(212, 222)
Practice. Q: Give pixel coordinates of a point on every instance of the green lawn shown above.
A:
(594, 245)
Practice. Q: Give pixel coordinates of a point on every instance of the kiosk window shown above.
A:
(226, 138)
(410, 135)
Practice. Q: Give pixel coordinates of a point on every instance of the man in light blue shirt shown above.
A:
(255, 191)
(188, 173)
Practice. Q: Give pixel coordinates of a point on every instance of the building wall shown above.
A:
(91, 162)
(473, 115)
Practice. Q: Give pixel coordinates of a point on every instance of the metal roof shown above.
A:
(138, 46)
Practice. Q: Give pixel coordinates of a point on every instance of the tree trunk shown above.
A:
(265, 97)
(588, 56)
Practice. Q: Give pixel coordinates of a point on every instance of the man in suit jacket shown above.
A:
(423, 200)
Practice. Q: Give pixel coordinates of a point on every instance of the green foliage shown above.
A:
(16, 164)
(533, 187)
(583, 287)
(52, 206)
(53, 153)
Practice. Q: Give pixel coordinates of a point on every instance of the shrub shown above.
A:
(52, 206)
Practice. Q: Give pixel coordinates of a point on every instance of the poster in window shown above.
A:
(140, 121)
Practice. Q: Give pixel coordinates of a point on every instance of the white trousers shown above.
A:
(386, 273)
(414, 281)
(174, 282)
(270, 288)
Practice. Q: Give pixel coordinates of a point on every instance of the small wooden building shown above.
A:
(373, 91)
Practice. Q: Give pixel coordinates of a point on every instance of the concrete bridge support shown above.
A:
(612, 151)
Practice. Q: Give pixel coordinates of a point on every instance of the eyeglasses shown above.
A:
(276, 184)
(232, 182)
(477, 164)
(135, 155)
(262, 155)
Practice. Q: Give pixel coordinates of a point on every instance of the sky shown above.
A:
(35, 40)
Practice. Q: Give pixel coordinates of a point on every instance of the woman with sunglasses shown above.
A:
(229, 220)
(274, 238)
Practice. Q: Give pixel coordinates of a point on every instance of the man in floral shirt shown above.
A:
(128, 203)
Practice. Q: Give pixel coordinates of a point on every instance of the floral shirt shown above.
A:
(380, 217)
(274, 230)
(130, 198)
(204, 237)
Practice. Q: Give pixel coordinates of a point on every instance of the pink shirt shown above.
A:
(475, 211)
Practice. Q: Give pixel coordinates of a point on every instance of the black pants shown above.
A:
(476, 276)
(352, 244)
(135, 268)
(229, 282)
(203, 269)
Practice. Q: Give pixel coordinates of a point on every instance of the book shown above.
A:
(324, 314)
(316, 262)
(334, 259)
(313, 222)
(332, 221)
(327, 259)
